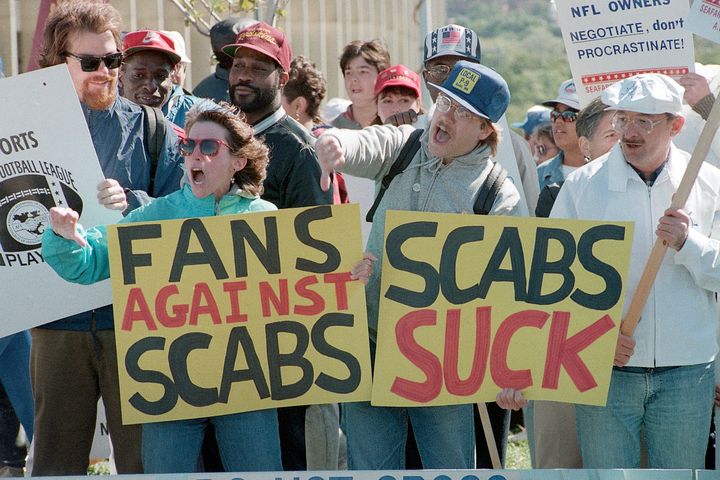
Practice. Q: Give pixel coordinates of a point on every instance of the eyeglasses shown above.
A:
(90, 63)
(438, 73)
(568, 116)
(622, 122)
(444, 104)
(208, 146)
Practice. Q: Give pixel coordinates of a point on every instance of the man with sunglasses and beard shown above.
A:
(73, 360)
(261, 61)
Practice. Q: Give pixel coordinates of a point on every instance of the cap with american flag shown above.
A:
(453, 40)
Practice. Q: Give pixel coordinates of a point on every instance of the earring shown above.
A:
(297, 115)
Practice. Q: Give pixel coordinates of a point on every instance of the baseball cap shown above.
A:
(265, 39)
(648, 93)
(225, 31)
(478, 88)
(536, 115)
(179, 42)
(397, 76)
(452, 40)
(567, 95)
(143, 40)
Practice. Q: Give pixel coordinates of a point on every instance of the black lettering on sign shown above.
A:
(393, 249)
(129, 260)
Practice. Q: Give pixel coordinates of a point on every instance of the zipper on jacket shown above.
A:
(654, 306)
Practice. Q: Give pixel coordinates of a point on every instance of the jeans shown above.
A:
(377, 436)
(248, 442)
(15, 377)
(670, 404)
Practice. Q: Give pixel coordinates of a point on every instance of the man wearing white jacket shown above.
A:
(663, 379)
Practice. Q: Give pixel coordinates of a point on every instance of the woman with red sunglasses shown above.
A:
(225, 166)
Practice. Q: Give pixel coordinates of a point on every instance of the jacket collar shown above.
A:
(620, 172)
(269, 121)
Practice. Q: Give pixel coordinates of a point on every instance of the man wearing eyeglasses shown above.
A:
(73, 360)
(663, 378)
(446, 46)
(445, 175)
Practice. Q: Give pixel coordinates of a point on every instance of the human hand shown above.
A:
(511, 399)
(363, 269)
(330, 155)
(673, 228)
(407, 117)
(111, 195)
(64, 222)
(623, 350)
(696, 87)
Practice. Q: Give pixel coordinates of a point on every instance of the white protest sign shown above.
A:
(609, 40)
(47, 159)
(704, 19)
(506, 157)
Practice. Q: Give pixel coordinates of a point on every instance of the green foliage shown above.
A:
(522, 41)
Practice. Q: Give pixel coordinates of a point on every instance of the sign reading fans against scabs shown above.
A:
(608, 40)
(47, 159)
(238, 313)
(471, 304)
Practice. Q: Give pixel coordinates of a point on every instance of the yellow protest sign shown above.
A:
(237, 313)
(471, 304)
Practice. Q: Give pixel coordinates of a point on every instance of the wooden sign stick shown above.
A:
(632, 317)
(489, 437)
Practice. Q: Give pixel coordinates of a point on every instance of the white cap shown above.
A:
(179, 42)
(452, 40)
(567, 95)
(649, 93)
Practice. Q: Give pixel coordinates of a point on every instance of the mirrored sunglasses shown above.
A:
(90, 63)
(568, 116)
(208, 146)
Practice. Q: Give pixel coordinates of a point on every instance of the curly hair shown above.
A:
(373, 52)
(242, 141)
(76, 16)
(308, 82)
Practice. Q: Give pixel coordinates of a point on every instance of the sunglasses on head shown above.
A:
(90, 63)
(567, 116)
(208, 146)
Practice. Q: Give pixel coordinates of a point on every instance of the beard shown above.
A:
(260, 98)
(99, 99)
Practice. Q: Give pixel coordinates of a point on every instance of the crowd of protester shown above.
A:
(251, 137)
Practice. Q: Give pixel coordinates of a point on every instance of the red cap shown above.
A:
(265, 39)
(397, 76)
(149, 40)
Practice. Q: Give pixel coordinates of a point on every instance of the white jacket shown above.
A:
(678, 324)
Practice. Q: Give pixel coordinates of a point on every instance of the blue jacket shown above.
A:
(91, 264)
(177, 106)
(118, 135)
(550, 171)
(214, 86)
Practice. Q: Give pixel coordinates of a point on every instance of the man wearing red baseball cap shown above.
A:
(261, 60)
(150, 58)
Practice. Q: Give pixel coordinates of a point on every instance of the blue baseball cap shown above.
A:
(478, 88)
(536, 115)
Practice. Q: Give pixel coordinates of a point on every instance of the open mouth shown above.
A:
(198, 176)
(441, 136)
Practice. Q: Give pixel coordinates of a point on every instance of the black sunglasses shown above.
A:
(208, 146)
(90, 63)
(567, 116)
